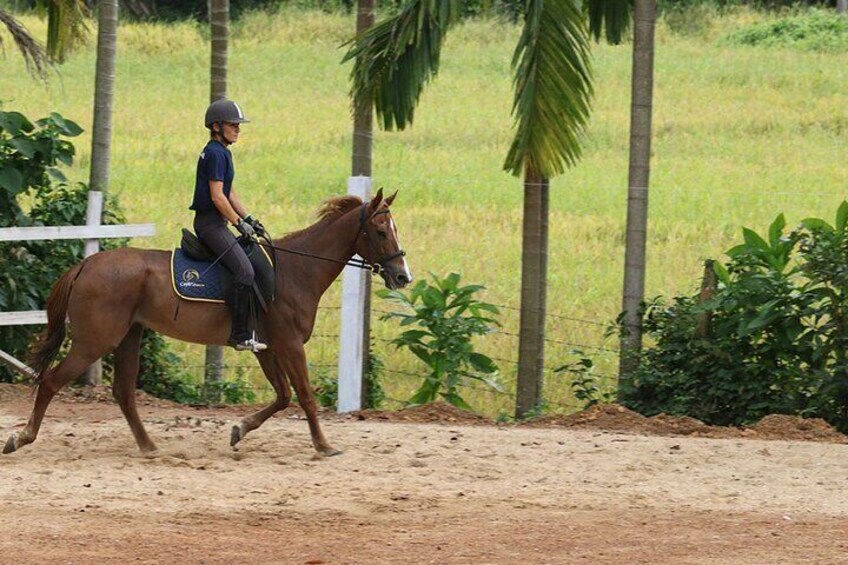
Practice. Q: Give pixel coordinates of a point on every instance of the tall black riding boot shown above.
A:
(242, 336)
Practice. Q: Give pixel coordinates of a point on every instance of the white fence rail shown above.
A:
(92, 233)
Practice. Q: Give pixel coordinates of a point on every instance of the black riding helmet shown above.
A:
(224, 111)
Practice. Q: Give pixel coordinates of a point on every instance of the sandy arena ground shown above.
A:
(431, 485)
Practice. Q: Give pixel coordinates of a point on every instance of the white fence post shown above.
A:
(94, 374)
(351, 339)
(92, 218)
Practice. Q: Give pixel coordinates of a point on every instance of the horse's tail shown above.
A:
(49, 342)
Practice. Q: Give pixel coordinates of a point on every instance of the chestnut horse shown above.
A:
(110, 297)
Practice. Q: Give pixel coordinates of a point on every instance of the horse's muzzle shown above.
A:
(395, 278)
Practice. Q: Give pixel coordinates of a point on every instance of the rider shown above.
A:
(216, 203)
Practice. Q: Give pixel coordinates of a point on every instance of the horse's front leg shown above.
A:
(275, 375)
(293, 359)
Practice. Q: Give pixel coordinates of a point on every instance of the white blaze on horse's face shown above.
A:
(405, 272)
(385, 250)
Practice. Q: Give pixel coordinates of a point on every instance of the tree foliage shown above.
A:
(30, 157)
(777, 335)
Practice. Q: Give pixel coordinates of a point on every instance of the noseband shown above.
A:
(378, 266)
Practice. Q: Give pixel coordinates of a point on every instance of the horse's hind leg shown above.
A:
(52, 382)
(277, 378)
(127, 357)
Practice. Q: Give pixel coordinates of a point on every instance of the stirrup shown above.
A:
(250, 344)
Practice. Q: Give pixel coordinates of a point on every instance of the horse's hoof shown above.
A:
(10, 446)
(330, 452)
(235, 436)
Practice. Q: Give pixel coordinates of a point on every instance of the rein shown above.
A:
(376, 268)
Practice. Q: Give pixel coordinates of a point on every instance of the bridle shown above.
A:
(376, 268)
(380, 264)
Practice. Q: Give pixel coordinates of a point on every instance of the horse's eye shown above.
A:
(382, 234)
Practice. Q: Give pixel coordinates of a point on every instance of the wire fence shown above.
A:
(568, 338)
(402, 373)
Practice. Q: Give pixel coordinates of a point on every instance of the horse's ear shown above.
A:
(391, 199)
(375, 202)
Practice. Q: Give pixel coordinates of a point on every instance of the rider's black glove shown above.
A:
(256, 224)
(245, 229)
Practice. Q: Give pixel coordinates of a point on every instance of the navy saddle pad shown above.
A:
(200, 279)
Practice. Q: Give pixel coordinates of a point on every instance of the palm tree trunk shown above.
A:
(534, 266)
(644, 17)
(219, 21)
(363, 128)
(101, 136)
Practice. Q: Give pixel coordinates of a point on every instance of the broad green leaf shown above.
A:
(721, 272)
(449, 282)
(56, 174)
(766, 315)
(754, 240)
(452, 397)
(421, 353)
(415, 335)
(433, 298)
(14, 123)
(776, 230)
(27, 147)
(816, 224)
(66, 126)
(842, 217)
(482, 363)
(11, 179)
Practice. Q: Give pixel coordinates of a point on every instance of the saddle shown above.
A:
(196, 276)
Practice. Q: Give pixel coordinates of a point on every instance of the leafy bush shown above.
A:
(449, 316)
(776, 339)
(30, 154)
(585, 385)
(813, 30)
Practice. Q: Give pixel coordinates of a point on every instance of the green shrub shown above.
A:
(585, 385)
(30, 154)
(448, 316)
(813, 30)
(776, 338)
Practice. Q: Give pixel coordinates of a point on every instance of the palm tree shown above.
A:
(219, 21)
(101, 131)
(641, 104)
(363, 130)
(553, 89)
(65, 28)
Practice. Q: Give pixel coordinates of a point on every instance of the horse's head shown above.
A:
(378, 242)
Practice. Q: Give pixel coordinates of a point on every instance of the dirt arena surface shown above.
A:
(426, 485)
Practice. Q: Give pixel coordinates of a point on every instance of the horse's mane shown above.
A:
(329, 212)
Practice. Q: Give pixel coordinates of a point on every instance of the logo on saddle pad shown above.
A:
(191, 279)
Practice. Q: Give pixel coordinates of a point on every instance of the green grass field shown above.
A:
(740, 135)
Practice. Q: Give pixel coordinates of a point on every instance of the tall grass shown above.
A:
(740, 134)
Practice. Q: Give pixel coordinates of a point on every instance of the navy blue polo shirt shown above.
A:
(215, 163)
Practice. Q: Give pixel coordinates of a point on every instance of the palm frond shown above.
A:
(66, 27)
(32, 51)
(613, 17)
(396, 58)
(553, 88)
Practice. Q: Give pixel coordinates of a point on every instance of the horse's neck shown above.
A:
(336, 243)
